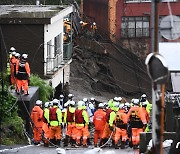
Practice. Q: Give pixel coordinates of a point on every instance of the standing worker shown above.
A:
(37, 121)
(99, 121)
(69, 121)
(8, 70)
(45, 124)
(137, 122)
(55, 122)
(13, 68)
(149, 105)
(82, 122)
(23, 75)
(121, 127)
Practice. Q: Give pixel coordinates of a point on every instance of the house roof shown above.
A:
(29, 14)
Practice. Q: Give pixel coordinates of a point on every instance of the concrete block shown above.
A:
(25, 104)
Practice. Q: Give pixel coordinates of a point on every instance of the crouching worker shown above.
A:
(37, 122)
(55, 123)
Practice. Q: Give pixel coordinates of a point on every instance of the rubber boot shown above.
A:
(66, 141)
(58, 142)
(113, 143)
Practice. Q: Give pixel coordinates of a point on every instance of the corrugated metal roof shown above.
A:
(38, 14)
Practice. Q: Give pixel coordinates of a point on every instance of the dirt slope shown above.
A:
(103, 70)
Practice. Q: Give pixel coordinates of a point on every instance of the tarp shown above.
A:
(175, 78)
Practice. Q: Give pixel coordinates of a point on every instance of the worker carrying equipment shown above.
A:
(37, 121)
(23, 75)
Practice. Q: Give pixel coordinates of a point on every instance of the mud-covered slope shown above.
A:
(103, 68)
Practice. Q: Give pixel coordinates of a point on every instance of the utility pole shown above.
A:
(158, 72)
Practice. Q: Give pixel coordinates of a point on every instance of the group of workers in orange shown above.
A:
(19, 71)
(117, 120)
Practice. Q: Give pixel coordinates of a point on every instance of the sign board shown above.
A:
(171, 54)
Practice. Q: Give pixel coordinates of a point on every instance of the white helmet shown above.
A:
(132, 100)
(24, 56)
(70, 95)
(85, 99)
(46, 104)
(80, 104)
(119, 99)
(61, 96)
(121, 105)
(127, 104)
(136, 102)
(55, 101)
(72, 103)
(38, 102)
(101, 105)
(92, 99)
(17, 55)
(13, 53)
(81, 22)
(12, 49)
(115, 98)
(143, 96)
(94, 23)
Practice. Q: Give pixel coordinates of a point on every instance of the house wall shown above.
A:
(30, 38)
(62, 75)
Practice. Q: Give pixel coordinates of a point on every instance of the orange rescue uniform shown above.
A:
(99, 121)
(137, 121)
(37, 118)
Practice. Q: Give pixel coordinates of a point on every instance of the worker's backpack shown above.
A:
(53, 114)
(78, 116)
(134, 116)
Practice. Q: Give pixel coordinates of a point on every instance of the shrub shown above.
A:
(45, 90)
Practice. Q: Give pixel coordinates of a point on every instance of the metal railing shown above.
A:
(53, 64)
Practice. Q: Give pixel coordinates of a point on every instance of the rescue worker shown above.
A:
(69, 121)
(112, 117)
(37, 122)
(83, 26)
(121, 127)
(13, 68)
(8, 65)
(17, 56)
(23, 75)
(45, 124)
(99, 121)
(55, 122)
(70, 98)
(107, 132)
(67, 26)
(82, 122)
(137, 122)
(149, 105)
(61, 100)
(147, 115)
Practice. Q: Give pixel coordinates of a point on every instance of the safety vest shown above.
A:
(108, 112)
(119, 121)
(79, 117)
(53, 114)
(135, 120)
(22, 73)
(70, 116)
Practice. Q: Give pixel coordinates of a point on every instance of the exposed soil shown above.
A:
(104, 70)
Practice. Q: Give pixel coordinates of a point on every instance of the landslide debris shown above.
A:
(105, 69)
